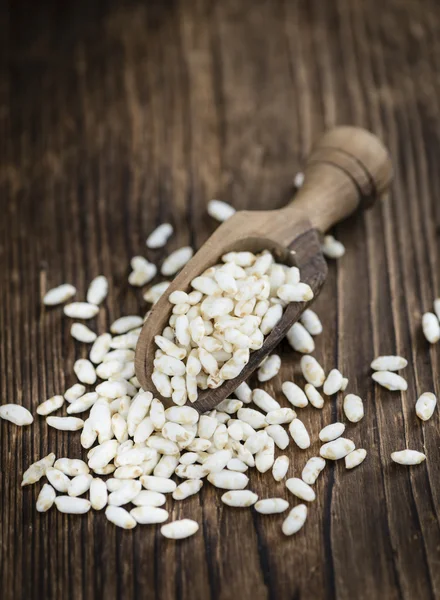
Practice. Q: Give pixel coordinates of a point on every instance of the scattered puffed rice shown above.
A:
(331, 432)
(425, 406)
(254, 418)
(235, 464)
(19, 415)
(187, 488)
(211, 333)
(333, 383)
(300, 339)
(280, 416)
(98, 290)
(149, 498)
(74, 506)
(312, 371)
(125, 324)
(49, 406)
(271, 506)
(355, 458)
(280, 467)
(37, 469)
(314, 396)
(390, 381)
(46, 498)
(85, 371)
(219, 210)
(389, 363)
(74, 392)
(294, 394)
(299, 488)
(82, 333)
(279, 436)
(57, 479)
(158, 484)
(353, 408)
(312, 469)
(311, 322)
(295, 520)
(79, 485)
(59, 294)
(431, 327)
(153, 294)
(81, 310)
(244, 392)
(332, 248)
(120, 517)
(98, 494)
(71, 466)
(177, 530)
(159, 237)
(65, 423)
(143, 271)
(176, 260)
(239, 498)
(299, 434)
(264, 401)
(408, 457)
(344, 384)
(100, 348)
(337, 449)
(228, 480)
(147, 515)
(125, 494)
(270, 368)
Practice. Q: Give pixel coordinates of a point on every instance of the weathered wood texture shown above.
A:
(116, 116)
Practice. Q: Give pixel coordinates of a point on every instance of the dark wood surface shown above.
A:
(116, 116)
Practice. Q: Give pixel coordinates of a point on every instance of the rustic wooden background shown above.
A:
(116, 116)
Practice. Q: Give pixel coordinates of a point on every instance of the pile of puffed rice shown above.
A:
(138, 451)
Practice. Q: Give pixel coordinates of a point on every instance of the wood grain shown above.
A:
(118, 115)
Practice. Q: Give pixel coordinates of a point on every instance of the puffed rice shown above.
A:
(59, 294)
(408, 457)
(425, 406)
(301, 489)
(177, 530)
(332, 248)
(81, 310)
(389, 363)
(98, 290)
(355, 458)
(50, 405)
(353, 408)
(280, 467)
(431, 327)
(159, 237)
(337, 449)
(82, 333)
(19, 415)
(390, 381)
(46, 498)
(219, 210)
(312, 469)
(295, 520)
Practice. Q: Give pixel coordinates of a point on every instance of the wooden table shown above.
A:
(117, 116)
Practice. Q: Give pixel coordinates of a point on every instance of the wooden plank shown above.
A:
(116, 116)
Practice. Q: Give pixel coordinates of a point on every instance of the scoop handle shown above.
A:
(347, 169)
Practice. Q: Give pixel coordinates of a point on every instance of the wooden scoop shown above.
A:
(346, 170)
